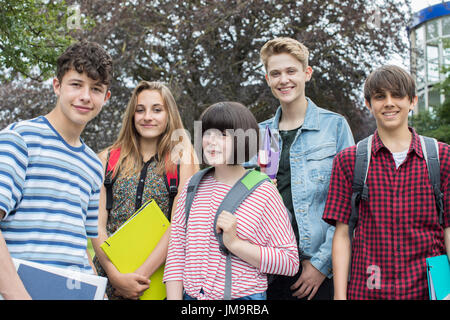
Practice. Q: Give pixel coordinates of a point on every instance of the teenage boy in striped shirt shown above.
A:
(49, 179)
(398, 226)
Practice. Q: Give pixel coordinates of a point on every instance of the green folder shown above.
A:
(133, 242)
(438, 274)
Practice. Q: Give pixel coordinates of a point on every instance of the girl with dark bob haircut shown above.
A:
(235, 119)
(258, 233)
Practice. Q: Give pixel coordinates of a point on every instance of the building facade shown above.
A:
(429, 35)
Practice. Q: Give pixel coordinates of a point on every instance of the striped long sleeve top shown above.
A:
(194, 256)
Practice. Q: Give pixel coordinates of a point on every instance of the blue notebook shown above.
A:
(438, 274)
(44, 285)
(45, 282)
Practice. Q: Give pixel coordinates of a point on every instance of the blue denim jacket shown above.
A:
(322, 135)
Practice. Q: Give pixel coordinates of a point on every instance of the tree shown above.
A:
(23, 100)
(208, 50)
(32, 35)
(436, 123)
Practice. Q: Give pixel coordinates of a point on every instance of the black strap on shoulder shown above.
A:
(108, 183)
(238, 193)
(172, 186)
(141, 184)
(359, 187)
(431, 154)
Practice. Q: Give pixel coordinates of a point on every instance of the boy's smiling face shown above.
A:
(286, 78)
(390, 109)
(80, 98)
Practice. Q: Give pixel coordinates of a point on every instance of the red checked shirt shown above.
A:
(398, 225)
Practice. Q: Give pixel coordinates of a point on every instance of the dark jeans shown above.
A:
(279, 288)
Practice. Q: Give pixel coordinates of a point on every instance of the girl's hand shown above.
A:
(129, 285)
(227, 223)
(250, 253)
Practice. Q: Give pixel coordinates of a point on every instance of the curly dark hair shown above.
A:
(86, 56)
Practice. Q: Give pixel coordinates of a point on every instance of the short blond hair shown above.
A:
(285, 45)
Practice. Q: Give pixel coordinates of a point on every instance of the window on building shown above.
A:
(447, 57)
(433, 61)
(446, 51)
(421, 102)
(420, 41)
(434, 99)
(432, 29)
(430, 54)
(420, 73)
(446, 25)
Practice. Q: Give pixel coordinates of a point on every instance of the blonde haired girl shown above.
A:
(145, 143)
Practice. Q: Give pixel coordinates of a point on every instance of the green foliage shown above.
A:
(436, 123)
(429, 124)
(32, 35)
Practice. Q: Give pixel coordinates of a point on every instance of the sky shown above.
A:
(417, 5)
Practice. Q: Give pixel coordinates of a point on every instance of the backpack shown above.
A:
(170, 178)
(360, 189)
(251, 180)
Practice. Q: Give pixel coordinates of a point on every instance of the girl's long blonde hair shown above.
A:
(130, 161)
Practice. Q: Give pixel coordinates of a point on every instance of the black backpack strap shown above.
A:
(359, 187)
(108, 183)
(172, 180)
(141, 184)
(430, 151)
(111, 163)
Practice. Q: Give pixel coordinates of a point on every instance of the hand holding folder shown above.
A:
(134, 241)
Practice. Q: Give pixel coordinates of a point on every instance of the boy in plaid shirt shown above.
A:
(398, 225)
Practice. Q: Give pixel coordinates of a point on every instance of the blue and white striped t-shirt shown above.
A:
(49, 191)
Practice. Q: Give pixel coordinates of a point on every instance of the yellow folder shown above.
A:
(133, 242)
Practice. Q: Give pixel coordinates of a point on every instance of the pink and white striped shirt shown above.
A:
(194, 256)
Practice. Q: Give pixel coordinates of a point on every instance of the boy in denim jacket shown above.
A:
(309, 138)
